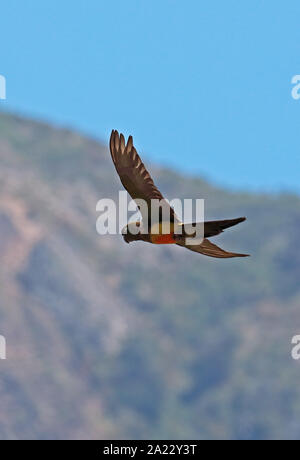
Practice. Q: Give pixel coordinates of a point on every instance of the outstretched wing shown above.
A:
(209, 249)
(133, 174)
(213, 227)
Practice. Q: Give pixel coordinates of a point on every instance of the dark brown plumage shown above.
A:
(139, 184)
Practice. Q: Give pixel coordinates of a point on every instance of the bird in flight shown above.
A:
(140, 186)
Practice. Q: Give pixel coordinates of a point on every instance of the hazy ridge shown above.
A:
(108, 340)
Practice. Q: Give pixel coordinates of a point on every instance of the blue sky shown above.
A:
(203, 86)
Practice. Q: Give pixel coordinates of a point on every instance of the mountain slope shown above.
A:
(108, 340)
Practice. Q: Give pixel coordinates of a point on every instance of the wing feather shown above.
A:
(132, 171)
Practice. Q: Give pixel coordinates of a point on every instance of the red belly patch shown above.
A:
(163, 239)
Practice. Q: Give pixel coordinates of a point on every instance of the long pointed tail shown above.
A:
(213, 228)
(207, 248)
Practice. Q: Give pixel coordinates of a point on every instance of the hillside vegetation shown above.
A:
(108, 340)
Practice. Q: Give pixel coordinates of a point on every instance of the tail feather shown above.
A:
(207, 248)
(213, 228)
